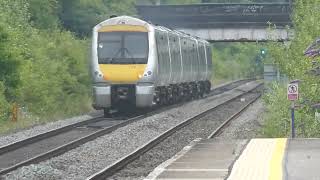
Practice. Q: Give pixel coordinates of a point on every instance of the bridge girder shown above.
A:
(230, 22)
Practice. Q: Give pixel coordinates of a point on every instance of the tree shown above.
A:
(44, 13)
(81, 16)
(291, 60)
(9, 66)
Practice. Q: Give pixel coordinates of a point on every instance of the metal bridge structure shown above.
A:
(220, 22)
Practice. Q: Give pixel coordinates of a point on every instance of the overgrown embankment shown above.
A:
(291, 60)
(232, 61)
(43, 70)
(44, 51)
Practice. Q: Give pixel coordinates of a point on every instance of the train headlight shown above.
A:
(140, 76)
(98, 74)
(147, 73)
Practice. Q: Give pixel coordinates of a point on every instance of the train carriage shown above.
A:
(138, 63)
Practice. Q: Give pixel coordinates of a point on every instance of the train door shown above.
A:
(191, 58)
(184, 47)
(203, 61)
(209, 60)
(180, 43)
(169, 59)
(175, 59)
(163, 57)
(195, 61)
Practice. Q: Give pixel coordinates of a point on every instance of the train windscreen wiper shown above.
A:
(126, 51)
(131, 56)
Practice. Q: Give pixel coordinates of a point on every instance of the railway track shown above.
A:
(125, 161)
(56, 142)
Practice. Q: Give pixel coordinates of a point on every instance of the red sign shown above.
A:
(293, 91)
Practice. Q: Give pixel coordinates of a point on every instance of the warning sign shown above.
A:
(293, 92)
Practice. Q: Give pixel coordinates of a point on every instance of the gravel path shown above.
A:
(201, 128)
(95, 155)
(247, 125)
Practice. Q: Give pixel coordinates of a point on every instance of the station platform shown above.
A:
(242, 159)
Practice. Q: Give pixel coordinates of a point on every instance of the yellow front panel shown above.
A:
(122, 73)
(126, 28)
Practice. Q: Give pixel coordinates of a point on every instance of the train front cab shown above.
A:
(122, 54)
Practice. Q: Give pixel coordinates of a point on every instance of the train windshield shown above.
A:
(123, 47)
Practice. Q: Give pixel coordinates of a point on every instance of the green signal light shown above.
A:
(263, 52)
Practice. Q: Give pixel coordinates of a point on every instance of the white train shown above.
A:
(138, 63)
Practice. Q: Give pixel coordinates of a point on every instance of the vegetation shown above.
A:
(44, 51)
(292, 62)
(232, 61)
(43, 69)
(43, 56)
(243, 1)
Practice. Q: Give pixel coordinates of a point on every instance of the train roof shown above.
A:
(137, 21)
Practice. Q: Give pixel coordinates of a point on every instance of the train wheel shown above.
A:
(202, 89)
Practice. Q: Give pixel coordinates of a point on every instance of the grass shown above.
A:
(277, 118)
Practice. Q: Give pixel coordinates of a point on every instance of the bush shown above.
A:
(234, 60)
(44, 71)
(4, 105)
(55, 79)
(293, 63)
(278, 116)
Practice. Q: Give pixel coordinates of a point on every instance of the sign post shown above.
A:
(293, 95)
(292, 120)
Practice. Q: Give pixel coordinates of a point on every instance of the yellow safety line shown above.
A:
(276, 167)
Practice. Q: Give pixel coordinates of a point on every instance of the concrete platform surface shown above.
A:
(207, 159)
(302, 159)
(255, 159)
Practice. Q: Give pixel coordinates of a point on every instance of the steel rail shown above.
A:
(118, 165)
(234, 116)
(54, 132)
(75, 143)
(71, 145)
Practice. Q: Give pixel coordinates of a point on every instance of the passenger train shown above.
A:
(138, 63)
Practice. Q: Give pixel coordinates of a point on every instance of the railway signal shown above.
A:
(263, 52)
